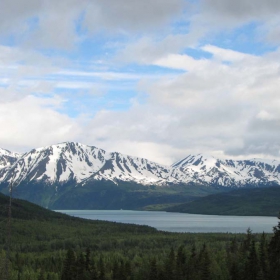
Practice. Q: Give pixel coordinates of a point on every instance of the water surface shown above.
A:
(180, 222)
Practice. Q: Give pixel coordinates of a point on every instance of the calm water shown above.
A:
(179, 222)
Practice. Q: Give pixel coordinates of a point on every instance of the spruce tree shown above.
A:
(41, 275)
(101, 269)
(153, 271)
(204, 262)
(274, 253)
(69, 266)
(263, 257)
(87, 261)
(93, 273)
(170, 266)
(252, 264)
(191, 268)
(180, 263)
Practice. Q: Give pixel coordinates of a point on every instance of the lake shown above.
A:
(180, 222)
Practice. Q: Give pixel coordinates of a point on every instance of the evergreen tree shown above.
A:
(115, 271)
(122, 272)
(101, 269)
(180, 263)
(127, 269)
(246, 244)
(274, 253)
(41, 275)
(252, 264)
(81, 266)
(191, 267)
(69, 266)
(204, 263)
(153, 271)
(233, 246)
(234, 272)
(263, 257)
(170, 266)
(93, 273)
(87, 261)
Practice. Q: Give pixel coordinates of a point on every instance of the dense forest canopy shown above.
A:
(48, 245)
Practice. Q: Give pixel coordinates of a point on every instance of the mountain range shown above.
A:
(55, 175)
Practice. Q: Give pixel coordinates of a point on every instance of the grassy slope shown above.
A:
(241, 202)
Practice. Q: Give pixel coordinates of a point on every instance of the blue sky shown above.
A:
(158, 79)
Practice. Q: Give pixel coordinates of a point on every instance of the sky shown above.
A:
(157, 79)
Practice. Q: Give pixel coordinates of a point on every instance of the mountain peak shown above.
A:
(196, 160)
(4, 152)
(77, 163)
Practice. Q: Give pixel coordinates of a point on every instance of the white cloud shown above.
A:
(228, 110)
(226, 54)
(48, 24)
(226, 104)
(241, 10)
(32, 122)
(130, 15)
(146, 49)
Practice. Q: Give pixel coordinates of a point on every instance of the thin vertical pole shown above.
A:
(9, 231)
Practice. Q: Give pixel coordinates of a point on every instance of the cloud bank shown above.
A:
(157, 79)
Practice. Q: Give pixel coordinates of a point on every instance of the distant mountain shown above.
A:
(54, 175)
(207, 170)
(7, 158)
(238, 202)
(79, 163)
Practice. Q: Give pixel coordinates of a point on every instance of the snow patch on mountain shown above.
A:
(78, 163)
(7, 158)
(236, 173)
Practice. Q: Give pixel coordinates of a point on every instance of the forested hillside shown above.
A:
(241, 202)
(48, 245)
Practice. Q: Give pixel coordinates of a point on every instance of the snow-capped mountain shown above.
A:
(77, 162)
(80, 164)
(7, 158)
(208, 170)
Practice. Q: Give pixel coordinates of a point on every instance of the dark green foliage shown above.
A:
(274, 253)
(104, 194)
(240, 202)
(52, 246)
(204, 261)
(252, 263)
(153, 270)
(263, 258)
(170, 266)
(69, 267)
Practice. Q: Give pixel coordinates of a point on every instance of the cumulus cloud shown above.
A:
(32, 122)
(130, 15)
(226, 104)
(146, 49)
(218, 15)
(53, 24)
(226, 109)
(241, 9)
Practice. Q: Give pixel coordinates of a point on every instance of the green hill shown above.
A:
(46, 245)
(107, 195)
(241, 202)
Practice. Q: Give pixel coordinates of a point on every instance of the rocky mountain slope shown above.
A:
(80, 163)
(208, 170)
(7, 158)
(61, 173)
